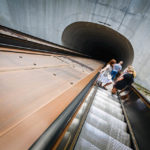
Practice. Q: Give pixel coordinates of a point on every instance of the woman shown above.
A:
(105, 76)
(125, 80)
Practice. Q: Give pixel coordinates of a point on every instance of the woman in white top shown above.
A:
(105, 74)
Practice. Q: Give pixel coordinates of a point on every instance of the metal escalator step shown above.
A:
(109, 129)
(83, 144)
(103, 94)
(109, 109)
(101, 139)
(103, 90)
(108, 98)
(109, 118)
(102, 101)
(108, 94)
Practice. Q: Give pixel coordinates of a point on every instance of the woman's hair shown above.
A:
(131, 70)
(111, 62)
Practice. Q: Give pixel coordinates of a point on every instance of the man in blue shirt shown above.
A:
(116, 69)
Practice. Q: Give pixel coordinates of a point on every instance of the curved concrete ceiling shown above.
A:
(98, 41)
(47, 19)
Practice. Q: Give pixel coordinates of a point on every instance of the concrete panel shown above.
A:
(47, 19)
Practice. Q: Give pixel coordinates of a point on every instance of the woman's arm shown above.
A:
(104, 69)
(120, 78)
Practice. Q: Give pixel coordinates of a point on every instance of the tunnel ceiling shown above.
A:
(98, 41)
(47, 19)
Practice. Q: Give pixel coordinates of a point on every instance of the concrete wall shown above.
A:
(47, 19)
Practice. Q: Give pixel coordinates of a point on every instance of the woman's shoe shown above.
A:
(104, 87)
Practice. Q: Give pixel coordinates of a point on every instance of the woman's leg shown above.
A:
(100, 84)
(107, 84)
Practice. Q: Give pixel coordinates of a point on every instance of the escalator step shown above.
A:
(100, 139)
(109, 118)
(108, 98)
(109, 129)
(101, 100)
(85, 145)
(109, 109)
(107, 93)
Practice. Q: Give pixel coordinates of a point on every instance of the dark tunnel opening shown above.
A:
(98, 41)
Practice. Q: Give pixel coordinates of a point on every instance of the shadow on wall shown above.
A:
(98, 41)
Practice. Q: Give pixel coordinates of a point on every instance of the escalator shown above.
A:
(65, 117)
(104, 127)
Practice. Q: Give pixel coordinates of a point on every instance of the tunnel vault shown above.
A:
(98, 41)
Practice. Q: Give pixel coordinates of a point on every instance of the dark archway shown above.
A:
(98, 41)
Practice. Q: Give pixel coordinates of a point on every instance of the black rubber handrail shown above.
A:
(10, 40)
(47, 140)
(45, 50)
(26, 48)
(12, 31)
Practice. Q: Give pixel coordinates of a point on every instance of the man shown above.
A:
(116, 68)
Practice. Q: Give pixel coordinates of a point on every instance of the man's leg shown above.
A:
(114, 73)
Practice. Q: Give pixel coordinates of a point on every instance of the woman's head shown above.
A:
(112, 61)
(131, 70)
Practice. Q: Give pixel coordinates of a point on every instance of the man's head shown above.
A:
(121, 62)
